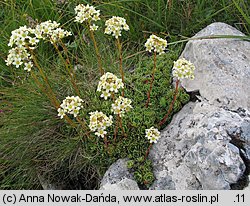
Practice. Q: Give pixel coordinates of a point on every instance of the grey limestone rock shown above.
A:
(222, 67)
(117, 177)
(195, 150)
(124, 184)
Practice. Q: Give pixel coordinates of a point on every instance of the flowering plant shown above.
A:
(70, 105)
(115, 25)
(121, 106)
(152, 134)
(26, 39)
(109, 84)
(183, 69)
(49, 30)
(87, 13)
(119, 92)
(99, 122)
(156, 44)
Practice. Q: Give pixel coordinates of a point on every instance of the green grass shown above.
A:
(35, 142)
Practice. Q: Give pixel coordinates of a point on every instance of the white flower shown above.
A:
(121, 106)
(18, 36)
(61, 112)
(28, 66)
(24, 39)
(17, 56)
(108, 84)
(86, 13)
(49, 30)
(105, 95)
(17, 62)
(156, 44)
(70, 105)
(115, 25)
(153, 134)
(93, 27)
(33, 41)
(183, 69)
(99, 122)
(101, 133)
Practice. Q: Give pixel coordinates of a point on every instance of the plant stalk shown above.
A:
(69, 70)
(92, 36)
(119, 46)
(146, 155)
(152, 81)
(120, 122)
(171, 105)
(106, 142)
(52, 100)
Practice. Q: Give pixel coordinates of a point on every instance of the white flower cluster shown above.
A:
(21, 36)
(153, 134)
(49, 30)
(99, 122)
(108, 84)
(115, 25)
(20, 40)
(183, 69)
(121, 106)
(70, 105)
(156, 44)
(25, 38)
(18, 56)
(87, 13)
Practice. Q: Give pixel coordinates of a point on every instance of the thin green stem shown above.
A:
(119, 46)
(51, 98)
(121, 126)
(45, 80)
(106, 142)
(67, 58)
(116, 129)
(69, 70)
(39, 85)
(152, 81)
(92, 36)
(84, 125)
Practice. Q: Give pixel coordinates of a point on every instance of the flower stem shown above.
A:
(92, 36)
(119, 46)
(83, 124)
(39, 84)
(67, 63)
(123, 132)
(116, 128)
(171, 105)
(50, 91)
(152, 81)
(70, 121)
(146, 155)
(106, 141)
(52, 100)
